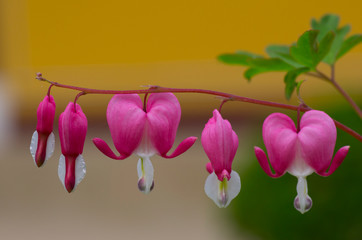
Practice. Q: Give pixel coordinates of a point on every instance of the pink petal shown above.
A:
(106, 150)
(263, 161)
(209, 167)
(163, 115)
(280, 137)
(126, 121)
(337, 160)
(72, 130)
(220, 143)
(182, 147)
(317, 139)
(45, 115)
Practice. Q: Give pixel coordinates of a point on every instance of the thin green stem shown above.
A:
(344, 93)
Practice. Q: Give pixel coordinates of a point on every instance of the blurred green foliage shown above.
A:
(265, 205)
(325, 42)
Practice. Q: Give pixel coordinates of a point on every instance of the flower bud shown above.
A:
(72, 132)
(42, 141)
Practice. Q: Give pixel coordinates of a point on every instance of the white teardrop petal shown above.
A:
(212, 188)
(80, 170)
(145, 170)
(34, 145)
(233, 187)
(50, 147)
(139, 168)
(61, 169)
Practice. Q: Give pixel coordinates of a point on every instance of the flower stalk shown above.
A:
(158, 89)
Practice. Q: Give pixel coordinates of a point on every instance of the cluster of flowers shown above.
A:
(151, 129)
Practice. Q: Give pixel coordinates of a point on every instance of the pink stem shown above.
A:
(158, 89)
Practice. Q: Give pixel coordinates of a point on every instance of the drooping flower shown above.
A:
(220, 143)
(144, 132)
(300, 152)
(72, 132)
(42, 141)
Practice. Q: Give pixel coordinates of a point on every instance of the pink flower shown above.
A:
(72, 132)
(42, 141)
(300, 152)
(220, 143)
(144, 133)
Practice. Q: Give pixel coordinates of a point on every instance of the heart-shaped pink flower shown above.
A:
(300, 153)
(144, 132)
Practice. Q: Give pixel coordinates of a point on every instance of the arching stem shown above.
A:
(157, 89)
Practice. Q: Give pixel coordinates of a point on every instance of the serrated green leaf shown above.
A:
(306, 50)
(282, 52)
(349, 43)
(262, 65)
(238, 58)
(328, 22)
(336, 45)
(290, 82)
(325, 45)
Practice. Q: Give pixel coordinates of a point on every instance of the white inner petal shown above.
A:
(50, 147)
(212, 188)
(34, 145)
(80, 170)
(222, 192)
(302, 202)
(299, 167)
(145, 170)
(234, 186)
(145, 149)
(61, 169)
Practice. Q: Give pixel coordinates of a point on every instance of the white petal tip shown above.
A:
(222, 192)
(145, 175)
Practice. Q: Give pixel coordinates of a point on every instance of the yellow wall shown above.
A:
(125, 44)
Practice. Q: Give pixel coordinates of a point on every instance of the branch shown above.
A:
(344, 94)
(158, 89)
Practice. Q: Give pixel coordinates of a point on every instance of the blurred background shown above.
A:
(129, 44)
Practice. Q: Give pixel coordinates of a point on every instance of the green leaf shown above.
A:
(325, 45)
(271, 64)
(308, 52)
(349, 43)
(328, 22)
(290, 82)
(282, 52)
(251, 72)
(336, 45)
(262, 65)
(274, 50)
(305, 51)
(238, 58)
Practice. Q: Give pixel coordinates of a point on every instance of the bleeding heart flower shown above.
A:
(42, 141)
(72, 132)
(144, 133)
(220, 143)
(300, 152)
